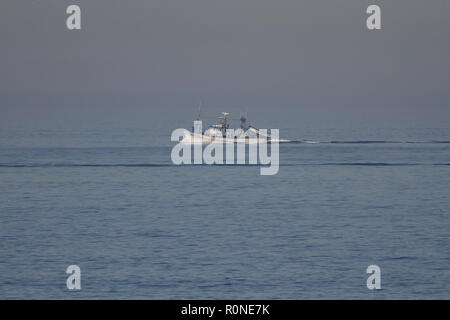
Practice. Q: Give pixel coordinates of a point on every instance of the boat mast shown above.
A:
(199, 109)
(243, 119)
(223, 122)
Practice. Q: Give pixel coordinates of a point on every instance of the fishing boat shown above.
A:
(220, 132)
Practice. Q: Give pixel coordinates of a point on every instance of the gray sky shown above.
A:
(299, 62)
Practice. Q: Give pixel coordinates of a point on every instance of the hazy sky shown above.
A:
(300, 62)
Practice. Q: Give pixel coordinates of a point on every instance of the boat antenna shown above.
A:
(199, 109)
(243, 119)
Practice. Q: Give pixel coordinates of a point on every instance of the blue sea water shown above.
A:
(140, 227)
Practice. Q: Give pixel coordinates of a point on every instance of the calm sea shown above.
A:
(112, 203)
